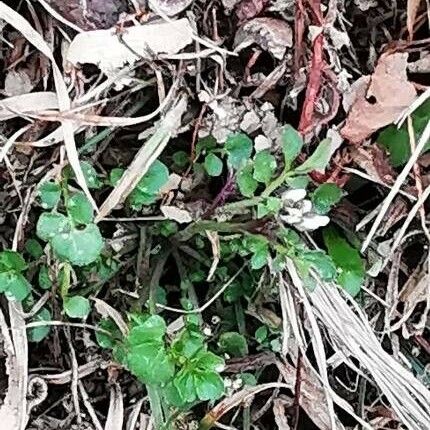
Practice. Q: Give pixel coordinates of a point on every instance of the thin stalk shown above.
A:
(156, 408)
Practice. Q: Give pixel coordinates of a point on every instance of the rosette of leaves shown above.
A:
(73, 237)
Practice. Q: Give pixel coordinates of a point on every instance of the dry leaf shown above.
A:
(388, 94)
(273, 35)
(169, 7)
(176, 214)
(247, 9)
(141, 41)
(18, 82)
(374, 161)
(91, 14)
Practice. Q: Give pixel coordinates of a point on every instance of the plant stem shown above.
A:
(156, 408)
(276, 183)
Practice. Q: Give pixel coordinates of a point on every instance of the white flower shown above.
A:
(293, 196)
(298, 211)
(312, 222)
(207, 331)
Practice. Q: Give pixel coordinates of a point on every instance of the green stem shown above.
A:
(277, 182)
(222, 227)
(156, 408)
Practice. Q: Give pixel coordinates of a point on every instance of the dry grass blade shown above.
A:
(115, 418)
(23, 26)
(316, 339)
(412, 10)
(107, 311)
(350, 329)
(396, 186)
(9, 143)
(149, 152)
(14, 410)
(23, 104)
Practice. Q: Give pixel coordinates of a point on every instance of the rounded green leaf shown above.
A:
(79, 247)
(11, 260)
(34, 248)
(245, 181)
(264, 166)
(181, 159)
(37, 334)
(239, 149)
(326, 196)
(49, 193)
(209, 386)
(76, 307)
(80, 209)
(52, 224)
(115, 175)
(14, 286)
(213, 165)
(91, 176)
(150, 329)
(234, 344)
(150, 363)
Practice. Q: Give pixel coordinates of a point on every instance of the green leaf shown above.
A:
(188, 344)
(239, 148)
(292, 144)
(233, 344)
(91, 176)
(245, 181)
(14, 286)
(209, 386)
(43, 278)
(180, 159)
(318, 160)
(52, 224)
(147, 329)
(321, 262)
(347, 259)
(150, 363)
(103, 339)
(37, 334)
(396, 141)
(11, 260)
(49, 193)
(80, 209)
(264, 166)
(259, 247)
(115, 175)
(298, 182)
(271, 206)
(34, 248)
(76, 307)
(261, 334)
(206, 361)
(325, 196)
(148, 188)
(213, 165)
(205, 144)
(184, 384)
(79, 247)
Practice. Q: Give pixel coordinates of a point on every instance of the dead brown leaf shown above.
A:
(247, 9)
(412, 10)
(91, 14)
(388, 93)
(374, 162)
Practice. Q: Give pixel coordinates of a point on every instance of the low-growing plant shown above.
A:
(178, 370)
